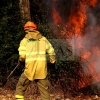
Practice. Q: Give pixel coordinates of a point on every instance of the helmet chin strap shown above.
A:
(31, 30)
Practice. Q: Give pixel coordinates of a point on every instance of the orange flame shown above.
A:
(86, 55)
(77, 20)
(93, 2)
(75, 27)
(55, 15)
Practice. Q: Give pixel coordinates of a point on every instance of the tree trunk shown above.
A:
(25, 10)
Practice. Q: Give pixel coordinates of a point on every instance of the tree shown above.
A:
(11, 32)
(24, 6)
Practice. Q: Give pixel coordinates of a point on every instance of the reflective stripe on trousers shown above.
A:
(23, 83)
(19, 97)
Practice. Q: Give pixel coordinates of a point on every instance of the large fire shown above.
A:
(84, 35)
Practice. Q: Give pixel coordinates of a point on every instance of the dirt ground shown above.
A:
(7, 93)
(56, 93)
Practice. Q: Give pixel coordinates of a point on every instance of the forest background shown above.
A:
(13, 16)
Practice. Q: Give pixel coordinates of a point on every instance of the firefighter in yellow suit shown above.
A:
(33, 48)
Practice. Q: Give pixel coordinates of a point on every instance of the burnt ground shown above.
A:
(7, 93)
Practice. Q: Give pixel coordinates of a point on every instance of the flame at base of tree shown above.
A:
(84, 37)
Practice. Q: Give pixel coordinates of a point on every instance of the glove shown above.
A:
(52, 65)
(20, 62)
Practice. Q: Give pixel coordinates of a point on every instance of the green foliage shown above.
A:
(11, 32)
(45, 30)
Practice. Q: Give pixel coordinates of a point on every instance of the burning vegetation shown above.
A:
(76, 26)
(81, 30)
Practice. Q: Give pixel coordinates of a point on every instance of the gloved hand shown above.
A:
(20, 62)
(52, 65)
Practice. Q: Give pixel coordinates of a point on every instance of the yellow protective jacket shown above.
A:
(33, 48)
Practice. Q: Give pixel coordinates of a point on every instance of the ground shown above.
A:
(8, 94)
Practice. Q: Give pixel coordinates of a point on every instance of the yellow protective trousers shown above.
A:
(23, 83)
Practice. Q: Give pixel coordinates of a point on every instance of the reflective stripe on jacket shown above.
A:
(34, 54)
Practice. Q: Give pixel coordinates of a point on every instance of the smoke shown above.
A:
(89, 39)
(79, 19)
(92, 20)
(90, 46)
(60, 10)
